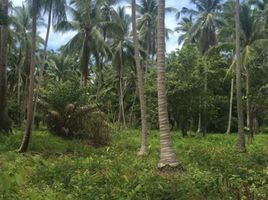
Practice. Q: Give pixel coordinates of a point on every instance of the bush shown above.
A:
(69, 115)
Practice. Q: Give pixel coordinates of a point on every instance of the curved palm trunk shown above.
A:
(30, 112)
(167, 155)
(4, 120)
(228, 132)
(241, 147)
(144, 148)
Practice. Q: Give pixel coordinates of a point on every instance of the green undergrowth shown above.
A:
(63, 169)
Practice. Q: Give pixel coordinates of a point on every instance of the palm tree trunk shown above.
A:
(228, 132)
(4, 120)
(121, 115)
(29, 124)
(204, 131)
(20, 64)
(144, 148)
(167, 155)
(85, 61)
(199, 126)
(41, 73)
(45, 46)
(241, 146)
(248, 96)
(148, 46)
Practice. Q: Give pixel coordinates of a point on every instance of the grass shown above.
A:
(63, 169)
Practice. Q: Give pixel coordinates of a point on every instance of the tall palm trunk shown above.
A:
(121, 114)
(248, 97)
(144, 149)
(45, 46)
(241, 147)
(42, 69)
(20, 65)
(167, 155)
(4, 120)
(148, 45)
(205, 102)
(29, 124)
(228, 132)
(85, 61)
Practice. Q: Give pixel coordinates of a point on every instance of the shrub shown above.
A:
(69, 115)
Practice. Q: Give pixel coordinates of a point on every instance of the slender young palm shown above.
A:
(30, 109)
(167, 155)
(144, 148)
(241, 140)
(4, 121)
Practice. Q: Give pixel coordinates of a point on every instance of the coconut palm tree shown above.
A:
(4, 122)
(144, 148)
(147, 24)
(241, 139)
(22, 23)
(167, 155)
(252, 33)
(56, 11)
(86, 22)
(30, 105)
(122, 49)
(204, 29)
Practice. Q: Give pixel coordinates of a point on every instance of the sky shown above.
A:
(56, 40)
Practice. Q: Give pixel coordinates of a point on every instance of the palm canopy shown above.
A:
(206, 21)
(58, 9)
(122, 46)
(184, 27)
(61, 67)
(87, 22)
(147, 23)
